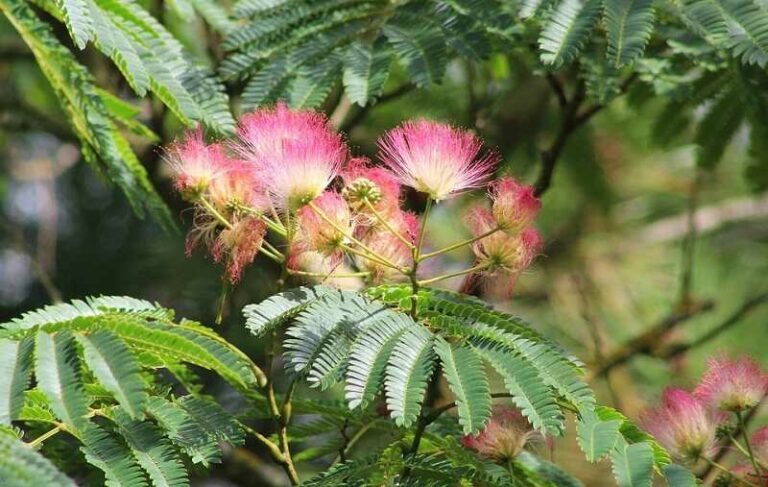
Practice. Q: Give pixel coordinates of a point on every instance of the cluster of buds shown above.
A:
(504, 437)
(694, 425)
(290, 174)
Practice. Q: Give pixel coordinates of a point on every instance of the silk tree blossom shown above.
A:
(732, 385)
(505, 435)
(385, 244)
(376, 184)
(322, 269)
(515, 205)
(436, 159)
(238, 245)
(683, 424)
(195, 164)
(500, 251)
(315, 230)
(297, 153)
(238, 188)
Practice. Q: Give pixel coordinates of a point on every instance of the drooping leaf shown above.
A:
(629, 25)
(366, 69)
(567, 31)
(20, 466)
(632, 463)
(410, 367)
(15, 369)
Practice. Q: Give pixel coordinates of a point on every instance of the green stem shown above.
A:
(459, 244)
(725, 470)
(214, 212)
(453, 274)
(751, 454)
(371, 257)
(47, 435)
(325, 275)
(416, 258)
(386, 224)
(355, 438)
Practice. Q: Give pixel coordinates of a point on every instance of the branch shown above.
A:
(644, 343)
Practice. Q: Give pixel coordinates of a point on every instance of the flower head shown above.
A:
(297, 153)
(514, 204)
(683, 424)
(237, 187)
(385, 244)
(504, 437)
(732, 385)
(376, 184)
(435, 158)
(500, 251)
(329, 269)
(316, 231)
(195, 164)
(238, 246)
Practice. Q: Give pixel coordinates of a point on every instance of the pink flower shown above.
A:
(759, 443)
(238, 246)
(435, 158)
(195, 164)
(499, 251)
(504, 437)
(382, 242)
(683, 424)
(379, 185)
(732, 385)
(320, 235)
(236, 188)
(514, 204)
(297, 153)
(330, 270)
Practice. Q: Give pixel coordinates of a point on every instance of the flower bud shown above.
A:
(359, 191)
(514, 204)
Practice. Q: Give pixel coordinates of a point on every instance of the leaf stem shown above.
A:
(453, 274)
(325, 275)
(459, 244)
(47, 435)
(214, 212)
(751, 454)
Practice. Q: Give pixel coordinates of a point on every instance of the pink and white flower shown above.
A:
(297, 153)
(683, 424)
(195, 164)
(322, 269)
(515, 205)
(238, 188)
(320, 235)
(732, 385)
(436, 159)
(505, 435)
(238, 245)
(500, 251)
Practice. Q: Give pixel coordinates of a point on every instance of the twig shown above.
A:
(644, 343)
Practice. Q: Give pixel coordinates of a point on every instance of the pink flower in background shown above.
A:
(329, 267)
(505, 435)
(297, 153)
(515, 206)
(195, 164)
(732, 385)
(238, 246)
(320, 235)
(683, 424)
(435, 158)
(360, 177)
(759, 442)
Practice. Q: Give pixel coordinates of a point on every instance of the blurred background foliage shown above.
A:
(640, 242)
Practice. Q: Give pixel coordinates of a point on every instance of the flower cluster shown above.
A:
(290, 175)
(505, 435)
(693, 425)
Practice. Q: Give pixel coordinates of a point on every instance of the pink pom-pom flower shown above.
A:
(238, 245)
(385, 244)
(500, 251)
(238, 189)
(195, 164)
(504, 437)
(683, 424)
(732, 385)
(327, 270)
(514, 204)
(436, 159)
(297, 153)
(320, 235)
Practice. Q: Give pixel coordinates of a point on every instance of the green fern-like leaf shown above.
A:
(184, 431)
(369, 355)
(366, 69)
(15, 370)
(597, 437)
(78, 20)
(748, 29)
(468, 382)
(420, 46)
(20, 466)
(115, 367)
(58, 376)
(280, 308)
(632, 463)
(108, 454)
(629, 25)
(717, 128)
(677, 476)
(567, 31)
(312, 84)
(410, 367)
